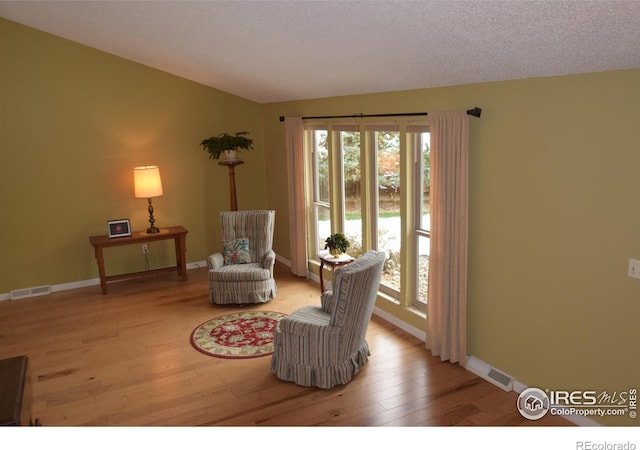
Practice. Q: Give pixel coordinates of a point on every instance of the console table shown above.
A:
(178, 234)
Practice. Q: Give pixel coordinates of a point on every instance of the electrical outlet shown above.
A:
(145, 248)
(634, 268)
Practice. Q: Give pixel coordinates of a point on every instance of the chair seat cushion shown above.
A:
(240, 272)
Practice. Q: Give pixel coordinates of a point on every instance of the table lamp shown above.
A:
(147, 184)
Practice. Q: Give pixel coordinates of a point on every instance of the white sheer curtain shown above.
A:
(295, 167)
(447, 291)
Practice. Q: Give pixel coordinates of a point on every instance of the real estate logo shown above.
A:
(534, 403)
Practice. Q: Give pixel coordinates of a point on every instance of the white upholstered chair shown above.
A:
(325, 345)
(243, 271)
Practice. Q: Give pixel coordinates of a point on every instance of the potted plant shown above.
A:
(227, 144)
(337, 244)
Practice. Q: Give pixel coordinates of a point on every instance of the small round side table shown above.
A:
(330, 261)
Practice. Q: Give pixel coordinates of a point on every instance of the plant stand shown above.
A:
(231, 164)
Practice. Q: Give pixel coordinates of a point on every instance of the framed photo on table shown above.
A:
(119, 228)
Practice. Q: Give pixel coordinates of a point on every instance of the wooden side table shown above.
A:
(332, 262)
(178, 234)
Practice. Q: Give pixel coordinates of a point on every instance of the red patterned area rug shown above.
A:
(239, 335)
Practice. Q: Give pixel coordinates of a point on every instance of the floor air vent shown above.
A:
(491, 374)
(29, 292)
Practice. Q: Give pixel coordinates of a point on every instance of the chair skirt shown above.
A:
(310, 355)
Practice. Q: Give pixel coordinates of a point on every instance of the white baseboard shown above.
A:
(75, 285)
(316, 278)
(520, 387)
(95, 281)
(413, 331)
(196, 265)
(284, 261)
(491, 374)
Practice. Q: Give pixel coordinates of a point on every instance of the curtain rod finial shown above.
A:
(281, 118)
(475, 112)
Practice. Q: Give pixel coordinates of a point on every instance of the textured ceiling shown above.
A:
(270, 51)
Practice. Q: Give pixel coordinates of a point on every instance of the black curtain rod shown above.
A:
(475, 112)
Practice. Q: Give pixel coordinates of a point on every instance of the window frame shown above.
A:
(371, 146)
(415, 132)
(314, 241)
(406, 296)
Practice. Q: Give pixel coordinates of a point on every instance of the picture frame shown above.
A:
(118, 228)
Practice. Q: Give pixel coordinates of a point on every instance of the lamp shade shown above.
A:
(147, 183)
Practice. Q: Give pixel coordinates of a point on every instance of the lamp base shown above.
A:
(152, 227)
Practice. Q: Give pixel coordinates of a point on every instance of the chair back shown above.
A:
(356, 287)
(256, 225)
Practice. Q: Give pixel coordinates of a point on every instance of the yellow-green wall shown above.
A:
(554, 218)
(554, 214)
(74, 122)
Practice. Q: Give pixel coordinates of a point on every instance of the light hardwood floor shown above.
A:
(125, 359)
